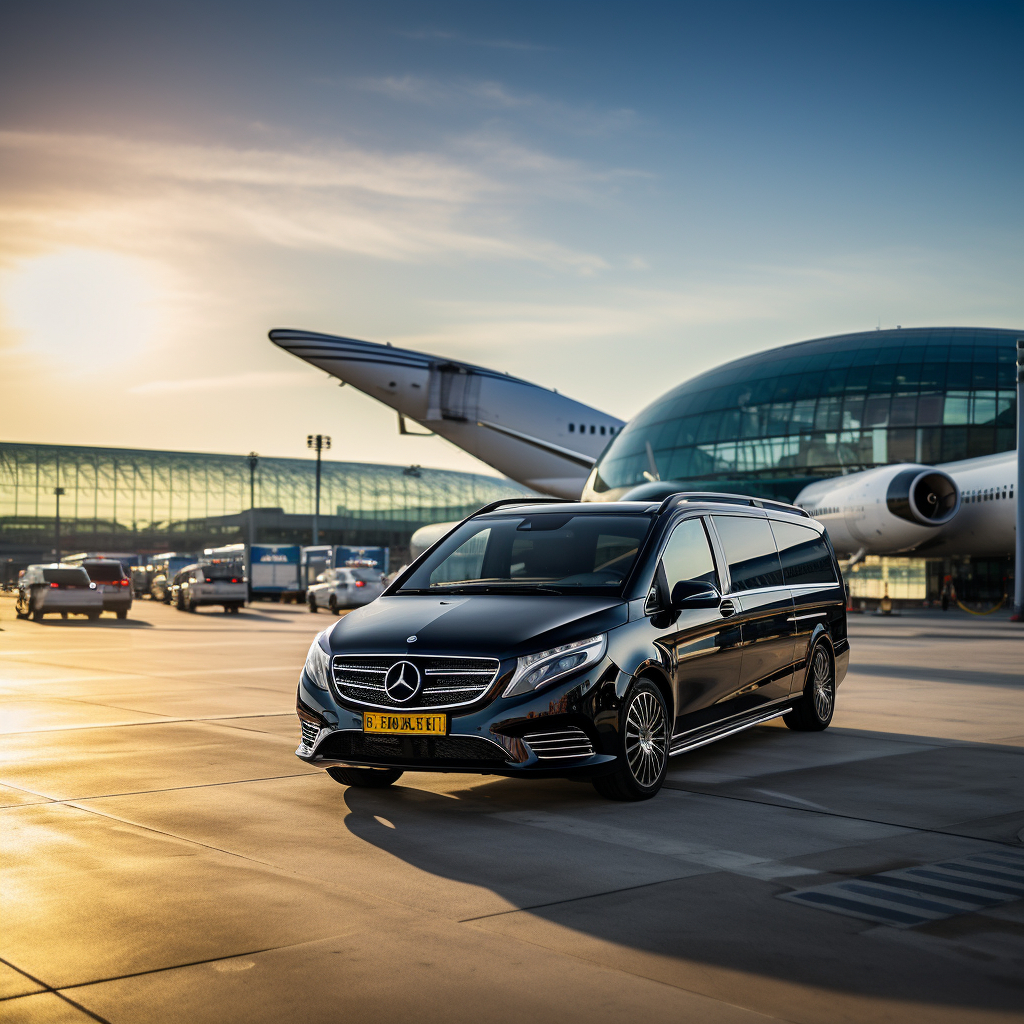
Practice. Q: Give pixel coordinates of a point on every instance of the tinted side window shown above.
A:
(750, 550)
(688, 556)
(805, 555)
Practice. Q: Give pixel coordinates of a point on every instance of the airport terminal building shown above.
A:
(126, 499)
(771, 423)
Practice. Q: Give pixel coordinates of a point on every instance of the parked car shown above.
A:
(142, 580)
(160, 588)
(344, 588)
(163, 568)
(222, 583)
(591, 640)
(112, 582)
(57, 587)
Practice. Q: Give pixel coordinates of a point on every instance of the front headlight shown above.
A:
(318, 662)
(536, 670)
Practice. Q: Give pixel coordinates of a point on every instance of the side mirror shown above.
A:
(695, 594)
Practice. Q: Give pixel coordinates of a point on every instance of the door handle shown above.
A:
(727, 608)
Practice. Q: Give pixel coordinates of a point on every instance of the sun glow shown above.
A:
(82, 305)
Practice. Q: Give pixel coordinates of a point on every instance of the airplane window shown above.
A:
(592, 429)
(572, 428)
(602, 430)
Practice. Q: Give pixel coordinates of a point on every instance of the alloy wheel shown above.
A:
(646, 738)
(821, 685)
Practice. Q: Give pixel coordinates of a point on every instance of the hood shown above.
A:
(497, 625)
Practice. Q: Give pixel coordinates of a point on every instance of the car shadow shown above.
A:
(701, 928)
(107, 621)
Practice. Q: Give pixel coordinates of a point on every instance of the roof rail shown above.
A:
(730, 499)
(517, 501)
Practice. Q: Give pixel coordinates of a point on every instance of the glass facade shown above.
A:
(121, 496)
(771, 423)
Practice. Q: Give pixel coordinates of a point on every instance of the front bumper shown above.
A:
(495, 737)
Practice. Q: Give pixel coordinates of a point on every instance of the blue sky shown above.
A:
(601, 198)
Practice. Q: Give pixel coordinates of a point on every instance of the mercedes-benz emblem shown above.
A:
(402, 682)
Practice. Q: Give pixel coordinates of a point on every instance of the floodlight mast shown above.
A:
(254, 461)
(1018, 564)
(319, 442)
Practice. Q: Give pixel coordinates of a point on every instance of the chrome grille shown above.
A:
(560, 744)
(447, 682)
(309, 732)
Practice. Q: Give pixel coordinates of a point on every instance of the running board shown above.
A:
(684, 745)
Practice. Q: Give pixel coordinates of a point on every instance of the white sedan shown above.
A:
(344, 588)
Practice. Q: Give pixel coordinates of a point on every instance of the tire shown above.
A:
(37, 616)
(813, 712)
(191, 606)
(93, 616)
(366, 778)
(235, 609)
(312, 605)
(332, 603)
(64, 615)
(122, 615)
(180, 602)
(643, 746)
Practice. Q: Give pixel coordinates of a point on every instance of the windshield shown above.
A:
(104, 572)
(544, 553)
(66, 577)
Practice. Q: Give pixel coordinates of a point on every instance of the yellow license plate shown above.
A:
(397, 725)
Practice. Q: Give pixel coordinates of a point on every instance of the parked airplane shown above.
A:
(957, 508)
(529, 433)
(549, 442)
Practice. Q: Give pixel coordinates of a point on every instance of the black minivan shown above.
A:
(593, 640)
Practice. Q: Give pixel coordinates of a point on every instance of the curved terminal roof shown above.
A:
(770, 423)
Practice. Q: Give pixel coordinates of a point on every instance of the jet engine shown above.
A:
(885, 510)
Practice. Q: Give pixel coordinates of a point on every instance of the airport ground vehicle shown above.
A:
(207, 583)
(161, 567)
(344, 588)
(592, 640)
(57, 588)
(112, 582)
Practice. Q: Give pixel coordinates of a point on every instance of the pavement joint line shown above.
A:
(253, 860)
(74, 800)
(156, 721)
(185, 839)
(174, 967)
(52, 991)
(838, 814)
(588, 896)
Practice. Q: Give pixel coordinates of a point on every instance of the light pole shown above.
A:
(254, 461)
(1018, 564)
(58, 491)
(319, 442)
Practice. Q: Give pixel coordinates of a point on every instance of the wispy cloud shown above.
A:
(493, 97)
(332, 197)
